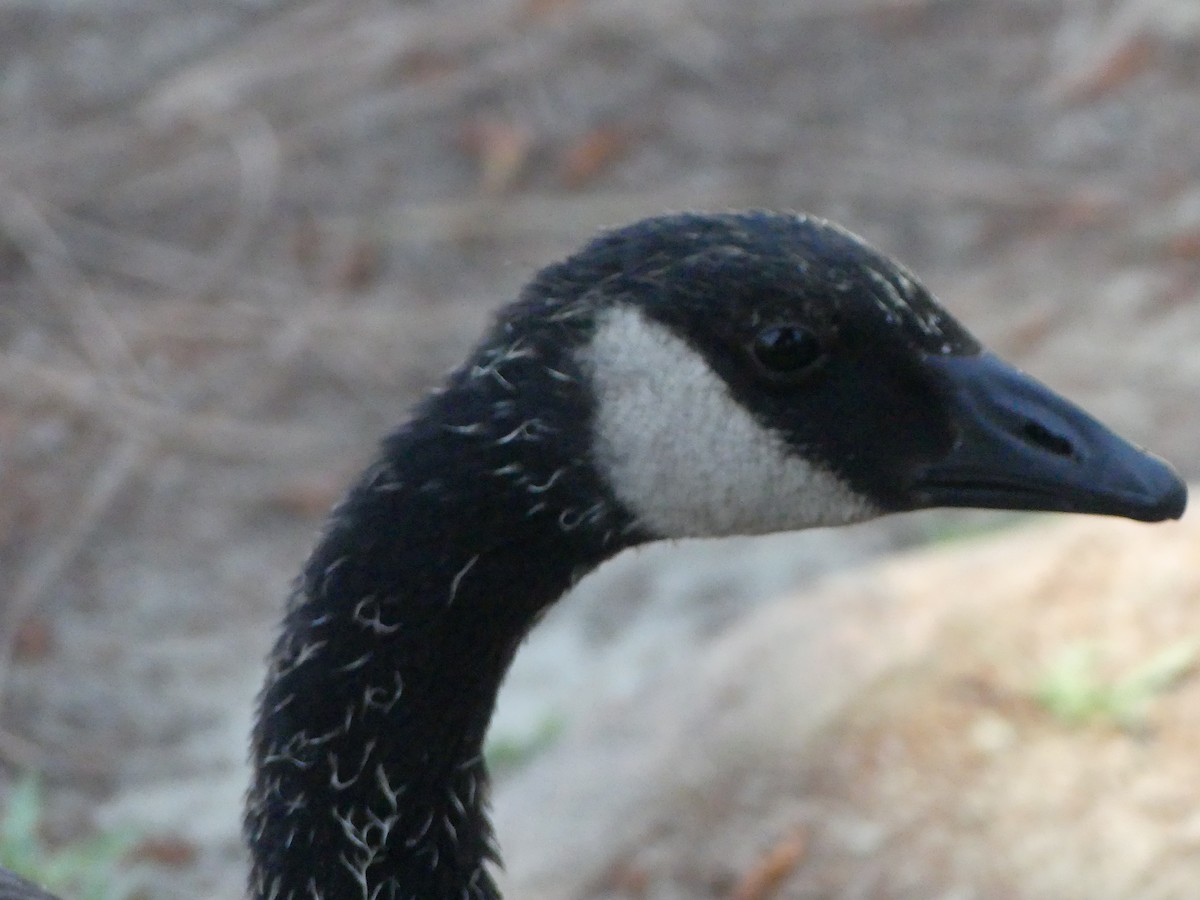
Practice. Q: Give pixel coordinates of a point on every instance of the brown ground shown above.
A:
(237, 239)
(884, 735)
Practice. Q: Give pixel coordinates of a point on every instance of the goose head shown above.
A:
(756, 373)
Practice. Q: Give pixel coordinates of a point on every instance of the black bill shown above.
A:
(1022, 446)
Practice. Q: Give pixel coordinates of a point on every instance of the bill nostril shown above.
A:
(1041, 436)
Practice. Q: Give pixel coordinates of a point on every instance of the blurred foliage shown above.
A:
(1073, 691)
(507, 754)
(82, 870)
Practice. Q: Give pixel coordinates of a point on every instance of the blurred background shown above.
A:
(238, 238)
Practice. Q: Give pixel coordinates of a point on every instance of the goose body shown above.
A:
(686, 376)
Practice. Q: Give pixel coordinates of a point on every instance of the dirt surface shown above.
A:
(238, 239)
(945, 724)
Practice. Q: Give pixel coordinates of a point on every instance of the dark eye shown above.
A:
(786, 350)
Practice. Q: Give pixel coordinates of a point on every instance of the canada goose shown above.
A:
(687, 375)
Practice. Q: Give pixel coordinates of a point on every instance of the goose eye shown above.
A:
(786, 350)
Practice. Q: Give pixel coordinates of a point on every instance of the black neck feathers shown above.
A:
(369, 778)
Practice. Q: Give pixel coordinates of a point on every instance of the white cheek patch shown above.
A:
(686, 458)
